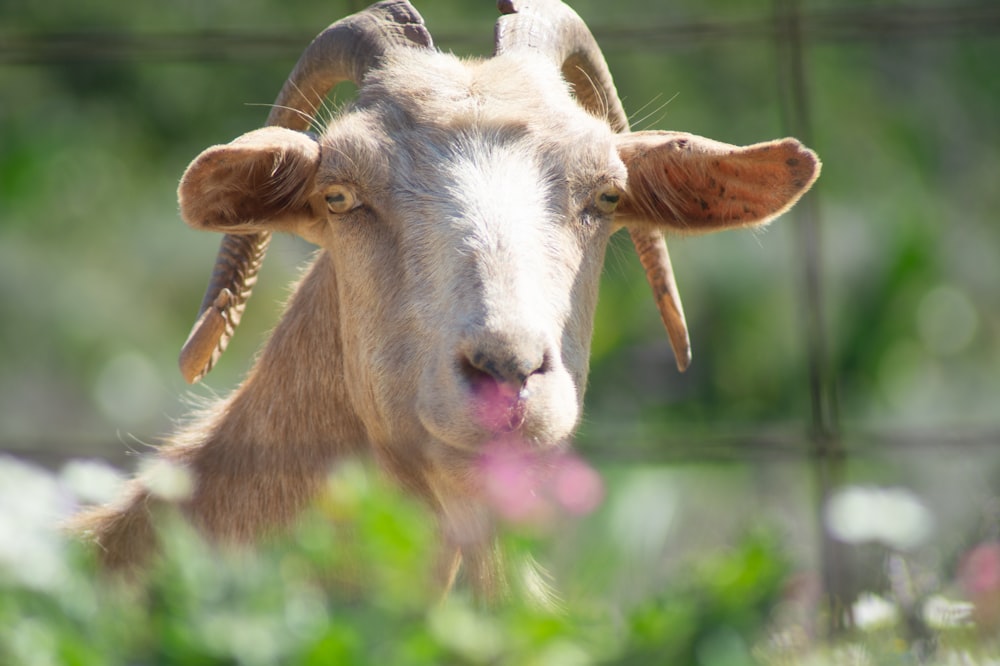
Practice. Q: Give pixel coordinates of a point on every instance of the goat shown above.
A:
(462, 209)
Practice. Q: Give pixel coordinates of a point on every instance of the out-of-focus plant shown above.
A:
(713, 614)
(350, 585)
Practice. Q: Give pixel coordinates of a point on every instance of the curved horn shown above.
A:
(556, 30)
(344, 51)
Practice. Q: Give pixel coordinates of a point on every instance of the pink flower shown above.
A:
(577, 486)
(980, 569)
(529, 487)
(979, 575)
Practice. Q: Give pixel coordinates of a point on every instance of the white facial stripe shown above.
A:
(495, 220)
(504, 221)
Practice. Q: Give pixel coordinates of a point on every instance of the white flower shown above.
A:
(167, 480)
(872, 612)
(32, 506)
(892, 516)
(942, 613)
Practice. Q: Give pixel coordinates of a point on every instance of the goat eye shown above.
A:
(607, 200)
(340, 199)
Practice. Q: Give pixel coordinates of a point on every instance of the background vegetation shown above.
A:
(885, 415)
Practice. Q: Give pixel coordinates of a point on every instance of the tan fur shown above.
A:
(472, 258)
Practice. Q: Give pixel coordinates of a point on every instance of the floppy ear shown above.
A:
(697, 185)
(263, 180)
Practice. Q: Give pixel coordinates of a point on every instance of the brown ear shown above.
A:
(697, 185)
(261, 181)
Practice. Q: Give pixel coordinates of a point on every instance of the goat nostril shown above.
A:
(479, 365)
(484, 364)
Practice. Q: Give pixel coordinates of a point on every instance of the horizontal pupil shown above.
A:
(336, 198)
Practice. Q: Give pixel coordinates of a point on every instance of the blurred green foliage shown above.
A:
(351, 585)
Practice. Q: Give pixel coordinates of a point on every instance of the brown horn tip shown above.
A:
(233, 278)
(202, 347)
(652, 250)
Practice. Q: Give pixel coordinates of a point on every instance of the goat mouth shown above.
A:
(469, 408)
(496, 406)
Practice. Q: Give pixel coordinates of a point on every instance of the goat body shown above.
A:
(462, 209)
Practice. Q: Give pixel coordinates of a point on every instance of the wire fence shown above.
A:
(873, 24)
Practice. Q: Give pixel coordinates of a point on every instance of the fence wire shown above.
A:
(874, 24)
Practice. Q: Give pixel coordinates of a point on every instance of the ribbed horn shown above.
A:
(557, 31)
(345, 51)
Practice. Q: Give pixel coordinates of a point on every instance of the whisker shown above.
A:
(645, 106)
(314, 123)
(328, 109)
(324, 110)
(302, 114)
(643, 120)
(599, 94)
(317, 109)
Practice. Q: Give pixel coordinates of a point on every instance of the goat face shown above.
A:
(463, 210)
(466, 208)
(491, 216)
